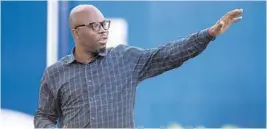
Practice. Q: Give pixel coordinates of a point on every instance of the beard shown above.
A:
(98, 50)
(94, 47)
(101, 50)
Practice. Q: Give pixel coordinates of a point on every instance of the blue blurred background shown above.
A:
(224, 85)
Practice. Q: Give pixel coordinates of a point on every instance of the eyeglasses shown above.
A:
(97, 25)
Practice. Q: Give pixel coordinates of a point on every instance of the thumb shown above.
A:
(237, 19)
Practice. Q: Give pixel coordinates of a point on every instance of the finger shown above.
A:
(235, 13)
(237, 19)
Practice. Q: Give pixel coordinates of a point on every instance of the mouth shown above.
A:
(103, 40)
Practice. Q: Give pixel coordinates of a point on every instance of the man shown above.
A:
(94, 87)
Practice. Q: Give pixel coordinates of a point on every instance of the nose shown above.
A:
(102, 30)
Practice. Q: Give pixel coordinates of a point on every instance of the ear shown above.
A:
(75, 33)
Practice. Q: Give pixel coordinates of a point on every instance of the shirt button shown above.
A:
(92, 118)
(92, 99)
(89, 81)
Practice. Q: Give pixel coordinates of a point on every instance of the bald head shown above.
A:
(92, 32)
(84, 14)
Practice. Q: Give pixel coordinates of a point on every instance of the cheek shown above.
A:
(85, 35)
(89, 36)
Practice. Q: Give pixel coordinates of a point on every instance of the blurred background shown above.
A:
(223, 86)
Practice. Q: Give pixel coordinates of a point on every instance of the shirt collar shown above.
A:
(71, 57)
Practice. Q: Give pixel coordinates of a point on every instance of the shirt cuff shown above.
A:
(204, 36)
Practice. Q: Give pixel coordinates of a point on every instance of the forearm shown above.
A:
(172, 55)
(186, 48)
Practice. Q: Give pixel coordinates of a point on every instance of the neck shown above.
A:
(82, 55)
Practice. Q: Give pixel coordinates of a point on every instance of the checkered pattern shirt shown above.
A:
(101, 94)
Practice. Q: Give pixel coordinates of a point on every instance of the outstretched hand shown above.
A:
(222, 25)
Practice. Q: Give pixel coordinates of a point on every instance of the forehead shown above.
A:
(89, 16)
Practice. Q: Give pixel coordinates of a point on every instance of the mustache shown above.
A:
(105, 36)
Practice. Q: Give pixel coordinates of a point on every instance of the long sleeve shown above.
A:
(46, 115)
(155, 61)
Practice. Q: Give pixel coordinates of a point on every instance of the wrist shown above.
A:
(211, 32)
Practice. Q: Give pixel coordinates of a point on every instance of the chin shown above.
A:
(102, 49)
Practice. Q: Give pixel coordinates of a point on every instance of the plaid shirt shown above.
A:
(101, 94)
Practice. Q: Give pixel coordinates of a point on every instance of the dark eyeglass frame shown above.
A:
(91, 25)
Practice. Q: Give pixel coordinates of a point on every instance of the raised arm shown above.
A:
(152, 62)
